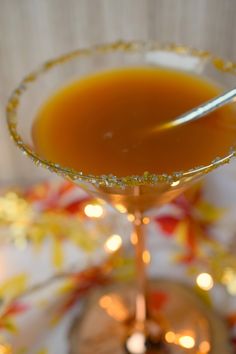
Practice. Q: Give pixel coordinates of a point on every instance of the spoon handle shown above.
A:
(201, 110)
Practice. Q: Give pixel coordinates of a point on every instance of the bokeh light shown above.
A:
(113, 243)
(146, 220)
(134, 238)
(93, 210)
(121, 208)
(187, 342)
(130, 217)
(146, 257)
(136, 343)
(205, 281)
(204, 347)
(170, 337)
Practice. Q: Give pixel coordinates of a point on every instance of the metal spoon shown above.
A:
(199, 112)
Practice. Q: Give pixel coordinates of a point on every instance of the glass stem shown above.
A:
(139, 243)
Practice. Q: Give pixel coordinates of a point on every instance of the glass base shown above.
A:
(178, 322)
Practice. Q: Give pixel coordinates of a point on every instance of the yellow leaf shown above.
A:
(55, 320)
(209, 212)
(181, 231)
(10, 326)
(66, 288)
(21, 351)
(14, 286)
(37, 235)
(57, 252)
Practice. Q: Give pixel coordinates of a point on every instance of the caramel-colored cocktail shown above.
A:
(103, 123)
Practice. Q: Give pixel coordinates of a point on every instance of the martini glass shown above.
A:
(120, 319)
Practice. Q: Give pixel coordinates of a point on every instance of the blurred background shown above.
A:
(33, 31)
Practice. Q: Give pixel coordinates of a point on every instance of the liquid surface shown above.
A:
(99, 123)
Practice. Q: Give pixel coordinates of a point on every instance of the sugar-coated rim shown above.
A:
(111, 180)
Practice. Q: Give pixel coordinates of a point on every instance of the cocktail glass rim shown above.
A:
(111, 180)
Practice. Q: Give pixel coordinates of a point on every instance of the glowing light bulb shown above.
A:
(114, 307)
(187, 342)
(204, 347)
(205, 281)
(170, 337)
(105, 301)
(113, 243)
(133, 238)
(146, 257)
(146, 220)
(130, 217)
(136, 343)
(93, 210)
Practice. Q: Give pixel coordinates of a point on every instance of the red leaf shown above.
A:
(15, 308)
(156, 300)
(187, 258)
(168, 224)
(37, 192)
(84, 282)
(76, 206)
(232, 319)
(65, 187)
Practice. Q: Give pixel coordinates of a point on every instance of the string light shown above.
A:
(114, 307)
(93, 210)
(187, 342)
(130, 217)
(170, 337)
(205, 281)
(136, 343)
(146, 257)
(204, 347)
(146, 220)
(105, 301)
(134, 238)
(113, 243)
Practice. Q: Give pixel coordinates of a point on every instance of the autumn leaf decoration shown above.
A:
(190, 223)
(79, 284)
(10, 289)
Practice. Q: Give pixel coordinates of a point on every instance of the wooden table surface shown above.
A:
(32, 31)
